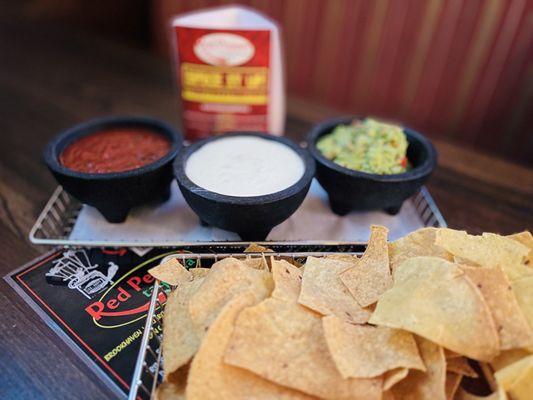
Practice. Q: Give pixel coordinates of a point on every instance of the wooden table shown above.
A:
(51, 78)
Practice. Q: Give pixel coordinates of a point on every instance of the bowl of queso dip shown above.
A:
(366, 164)
(115, 163)
(244, 182)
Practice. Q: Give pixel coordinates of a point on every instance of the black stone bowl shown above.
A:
(350, 190)
(252, 218)
(114, 194)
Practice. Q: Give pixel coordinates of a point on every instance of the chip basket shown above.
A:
(148, 373)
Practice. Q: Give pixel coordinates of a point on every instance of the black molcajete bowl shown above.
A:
(253, 217)
(350, 190)
(114, 194)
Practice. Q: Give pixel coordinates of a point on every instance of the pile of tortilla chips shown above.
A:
(413, 319)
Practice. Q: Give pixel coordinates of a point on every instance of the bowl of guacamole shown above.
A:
(368, 164)
(367, 145)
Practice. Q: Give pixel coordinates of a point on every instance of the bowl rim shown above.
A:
(59, 142)
(327, 125)
(297, 187)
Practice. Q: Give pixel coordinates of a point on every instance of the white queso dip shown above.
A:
(244, 166)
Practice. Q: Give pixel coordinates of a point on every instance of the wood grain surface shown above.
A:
(52, 78)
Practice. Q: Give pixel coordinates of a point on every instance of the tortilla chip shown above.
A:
(522, 388)
(488, 250)
(523, 291)
(464, 395)
(169, 391)
(410, 269)
(417, 244)
(508, 357)
(283, 342)
(370, 276)
(323, 291)
(257, 248)
(199, 272)
(462, 261)
(365, 351)
(173, 388)
(210, 378)
(297, 262)
(507, 376)
(171, 272)
(460, 365)
(511, 324)
(429, 384)
(392, 377)
(343, 257)
(513, 270)
(227, 279)
(287, 280)
(256, 262)
(450, 354)
(526, 238)
(452, 384)
(180, 342)
(434, 299)
(487, 373)
(388, 395)
(517, 379)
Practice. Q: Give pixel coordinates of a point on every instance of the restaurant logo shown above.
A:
(224, 49)
(128, 299)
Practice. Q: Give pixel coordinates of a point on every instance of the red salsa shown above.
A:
(115, 150)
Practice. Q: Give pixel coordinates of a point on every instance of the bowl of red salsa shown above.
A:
(115, 163)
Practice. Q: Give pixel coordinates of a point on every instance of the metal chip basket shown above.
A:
(148, 368)
(148, 372)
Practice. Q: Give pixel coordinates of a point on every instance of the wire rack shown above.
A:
(148, 368)
(57, 219)
(149, 365)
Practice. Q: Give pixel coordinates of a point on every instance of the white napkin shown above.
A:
(173, 222)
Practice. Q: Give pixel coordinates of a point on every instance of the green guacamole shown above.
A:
(368, 146)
